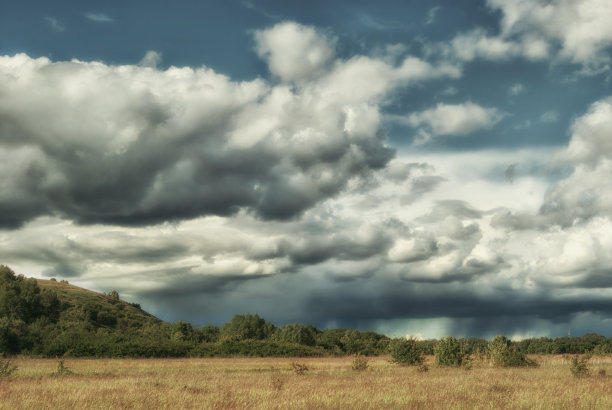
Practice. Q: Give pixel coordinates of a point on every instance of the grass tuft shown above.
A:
(422, 368)
(299, 369)
(277, 383)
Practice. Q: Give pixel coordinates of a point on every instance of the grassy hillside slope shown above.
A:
(100, 310)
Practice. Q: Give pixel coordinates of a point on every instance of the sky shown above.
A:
(413, 168)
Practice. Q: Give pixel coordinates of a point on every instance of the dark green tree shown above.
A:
(19, 297)
(296, 333)
(244, 327)
(209, 333)
(330, 340)
(406, 352)
(183, 332)
(450, 352)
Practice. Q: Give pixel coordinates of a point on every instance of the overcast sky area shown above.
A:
(414, 168)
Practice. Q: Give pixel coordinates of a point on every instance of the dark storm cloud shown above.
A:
(365, 303)
(318, 249)
(20, 208)
(60, 258)
(397, 301)
(465, 273)
(130, 251)
(202, 285)
(63, 270)
(594, 277)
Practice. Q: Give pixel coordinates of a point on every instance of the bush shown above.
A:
(501, 353)
(602, 349)
(62, 369)
(579, 367)
(405, 352)
(359, 363)
(450, 352)
(6, 369)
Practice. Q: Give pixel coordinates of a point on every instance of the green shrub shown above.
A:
(114, 295)
(359, 363)
(6, 369)
(450, 352)
(62, 369)
(501, 353)
(405, 352)
(579, 367)
(602, 349)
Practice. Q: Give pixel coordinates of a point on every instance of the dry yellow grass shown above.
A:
(272, 383)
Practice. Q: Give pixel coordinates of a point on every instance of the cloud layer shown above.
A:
(200, 196)
(132, 145)
(574, 31)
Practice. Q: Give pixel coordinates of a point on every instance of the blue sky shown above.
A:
(410, 167)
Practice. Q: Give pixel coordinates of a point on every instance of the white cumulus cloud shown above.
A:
(453, 119)
(571, 31)
(294, 52)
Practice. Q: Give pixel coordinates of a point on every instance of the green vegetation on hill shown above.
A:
(101, 310)
(50, 318)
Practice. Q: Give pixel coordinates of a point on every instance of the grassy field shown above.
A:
(272, 383)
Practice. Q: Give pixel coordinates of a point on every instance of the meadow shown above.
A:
(223, 383)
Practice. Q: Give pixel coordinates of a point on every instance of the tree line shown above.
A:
(41, 322)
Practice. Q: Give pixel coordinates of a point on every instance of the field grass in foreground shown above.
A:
(272, 383)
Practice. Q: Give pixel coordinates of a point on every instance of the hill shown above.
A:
(102, 310)
(54, 318)
(49, 318)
